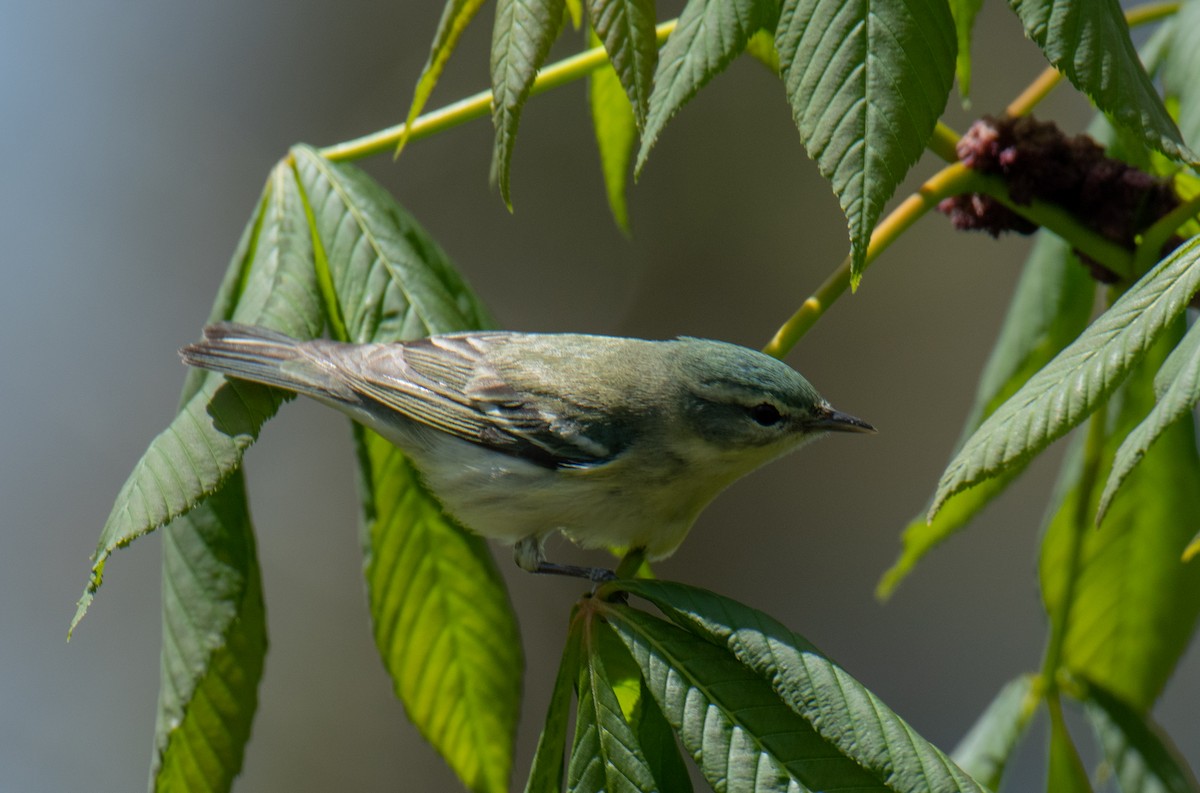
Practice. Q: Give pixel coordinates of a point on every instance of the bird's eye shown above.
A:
(765, 414)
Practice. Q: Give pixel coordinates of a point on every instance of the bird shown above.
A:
(614, 442)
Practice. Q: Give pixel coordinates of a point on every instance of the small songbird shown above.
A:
(615, 442)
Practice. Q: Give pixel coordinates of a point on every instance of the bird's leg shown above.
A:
(529, 555)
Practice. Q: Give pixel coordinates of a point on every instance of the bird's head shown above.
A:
(742, 402)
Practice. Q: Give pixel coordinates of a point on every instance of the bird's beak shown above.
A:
(831, 420)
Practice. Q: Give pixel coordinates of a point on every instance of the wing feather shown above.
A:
(446, 383)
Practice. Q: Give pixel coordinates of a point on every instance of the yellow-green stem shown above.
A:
(1062, 223)
(951, 180)
(477, 105)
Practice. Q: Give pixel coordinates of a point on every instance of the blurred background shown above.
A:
(139, 135)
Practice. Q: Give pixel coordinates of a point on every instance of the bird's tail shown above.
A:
(249, 352)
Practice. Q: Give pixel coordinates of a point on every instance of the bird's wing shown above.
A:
(445, 382)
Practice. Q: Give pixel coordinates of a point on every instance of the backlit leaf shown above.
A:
(439, 608)
(964, 12)
(613, 121)
(1134, 603)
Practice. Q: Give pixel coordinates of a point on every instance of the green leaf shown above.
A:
(761, 47)
(546, 773)
(867, 82)
(657, 739)
(627, 29)
(606, 755)
(1142, 757)
(1134, 604)
(1181, 64)
(391, 280)
(521, 40)
(455, 17)
(651, 728)
(1178, 390)
(442, 620)
(739, 732)
(1089, 43)
(1049, 308)
(709, 35)
(964, 12)
(214, 643)
(613, 121)
(1079, 378)
(1065, 772)
(440, 611)
(203, 445)
(985, 750)
(838, 719)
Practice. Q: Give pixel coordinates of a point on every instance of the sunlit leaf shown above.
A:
(1142, 757)
(1079, 378)
(985, 750)
(214, 643)
(440, 611)
(627, 29)
(275, 286)
(613, 121)
(867, 82)
(710, 34)
(742, 736)
(1049, 308)
(606, 755)
(1178, 389)
(839, 720)
(521, 40)
(455, 17)
(1134, 603)
(1089, 43)
(653, 732)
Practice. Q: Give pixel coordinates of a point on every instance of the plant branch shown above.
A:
(951, 180)
(477, 105)
(1062, 223)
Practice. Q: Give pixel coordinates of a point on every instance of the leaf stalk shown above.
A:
(476, 105)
